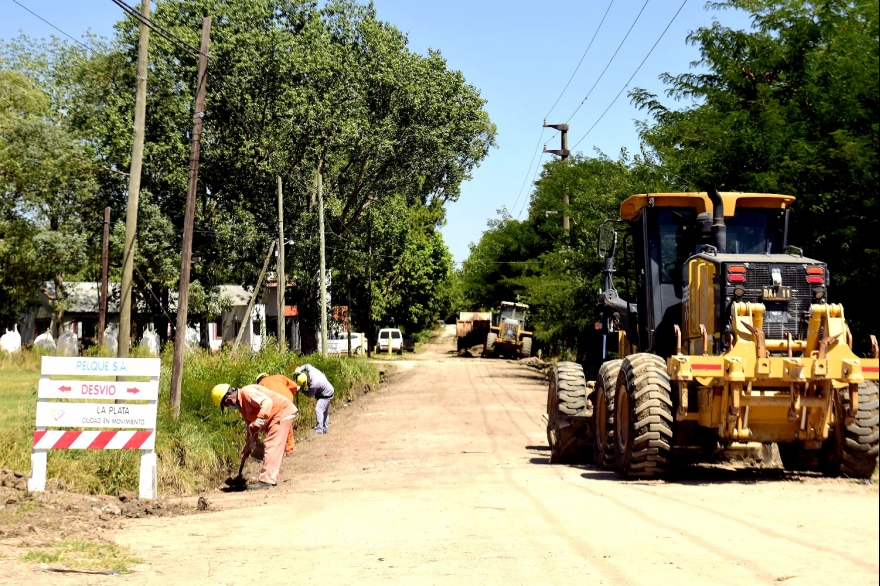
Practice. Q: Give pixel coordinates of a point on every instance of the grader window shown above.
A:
(750, 232)
(676, 228)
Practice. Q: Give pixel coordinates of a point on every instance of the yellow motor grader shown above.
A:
(730, 339)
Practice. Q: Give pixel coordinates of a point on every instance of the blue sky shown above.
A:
(519, 54)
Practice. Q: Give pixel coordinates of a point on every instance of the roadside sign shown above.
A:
(131, 416)
(110, 415)
(82, 389)
(77, 365)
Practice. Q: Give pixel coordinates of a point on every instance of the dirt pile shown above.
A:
(42, 518)
(536, 363)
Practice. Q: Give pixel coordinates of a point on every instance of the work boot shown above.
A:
(259, 485)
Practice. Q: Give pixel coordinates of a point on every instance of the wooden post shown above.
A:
(250, 307)
(323, 269)
(105, 267)
(186, 252)
(134, 187)
(282, 280)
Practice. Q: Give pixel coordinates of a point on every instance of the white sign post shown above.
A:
(118, 416)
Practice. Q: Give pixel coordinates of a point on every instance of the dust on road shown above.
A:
(442, 477)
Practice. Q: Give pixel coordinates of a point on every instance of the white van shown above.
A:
(392, 336)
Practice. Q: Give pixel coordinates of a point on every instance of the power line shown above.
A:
(584, 101)
(529, 170)
(538, 168)
(626, 85)
(53, 26)
(582, 59)
(158, 29)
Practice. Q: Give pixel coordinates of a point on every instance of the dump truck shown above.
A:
(472, 327)
(731, 337)
(508, 335)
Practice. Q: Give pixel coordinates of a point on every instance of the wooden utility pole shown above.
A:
(189, 216)
(134, 187)
(105, 267)
(282, 278)
(369, 280)
(563, 154)
(250, 307)
(323, 269)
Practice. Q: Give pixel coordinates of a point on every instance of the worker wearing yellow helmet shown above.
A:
(287, 389)
(313, 383)
(264, 411)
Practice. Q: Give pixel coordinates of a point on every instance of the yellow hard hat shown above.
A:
(261, 376)
(302, 379)
(218, 392)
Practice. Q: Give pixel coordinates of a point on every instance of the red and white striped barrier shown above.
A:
(74, 402)
(94, 440)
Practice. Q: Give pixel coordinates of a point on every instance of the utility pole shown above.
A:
(282, 281)
(563, 155)
(134, 187)
(189, 217)
(323, 269)
(250, 307)
(370, 280)
(105, 267)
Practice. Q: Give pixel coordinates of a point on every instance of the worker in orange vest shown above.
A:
(262, 410)
(286, 388)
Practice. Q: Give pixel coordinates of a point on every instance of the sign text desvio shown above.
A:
(81, 389)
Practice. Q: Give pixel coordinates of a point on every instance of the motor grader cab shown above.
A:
(508, 335)
(729, 340)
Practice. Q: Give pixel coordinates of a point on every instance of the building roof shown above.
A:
(82, 296)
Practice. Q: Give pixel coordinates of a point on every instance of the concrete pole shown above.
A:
(563, 154)
(282, 280)
(189, 218)
(323, 269)
(134, 187)
(105, 268)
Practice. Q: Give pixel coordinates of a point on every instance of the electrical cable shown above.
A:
(528, 171)
(626, 85)
(158, 29)
(534, 178)
(584, 101)
(53, 26)
(582, 59)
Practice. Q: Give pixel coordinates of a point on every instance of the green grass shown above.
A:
(18, 395)
(194, 451)
(78, 554)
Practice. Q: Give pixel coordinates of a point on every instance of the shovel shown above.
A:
(239, 482)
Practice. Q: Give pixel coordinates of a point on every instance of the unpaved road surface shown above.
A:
(442, 477)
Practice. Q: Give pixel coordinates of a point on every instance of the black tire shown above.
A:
(643, 421)
(852, 449)
(526, 347)
(567, 398)
(603, 414)
(490, 343)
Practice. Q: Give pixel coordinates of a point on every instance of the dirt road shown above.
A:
(442, 477)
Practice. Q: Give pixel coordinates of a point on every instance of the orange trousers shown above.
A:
(291, 443)
(274, 440)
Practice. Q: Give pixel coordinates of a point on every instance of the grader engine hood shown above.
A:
(786, 286)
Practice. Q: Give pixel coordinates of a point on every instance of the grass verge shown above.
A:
(194, 451)
(78, 554)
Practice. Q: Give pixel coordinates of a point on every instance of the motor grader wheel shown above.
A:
(603, 414)
(526, 347)
(854, 448)
(489, 349)
(643, 421)
(568, 409)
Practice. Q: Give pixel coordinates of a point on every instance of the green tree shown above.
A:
(788, 107)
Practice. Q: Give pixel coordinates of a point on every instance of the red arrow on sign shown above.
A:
(64, 389)
(133, 391)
